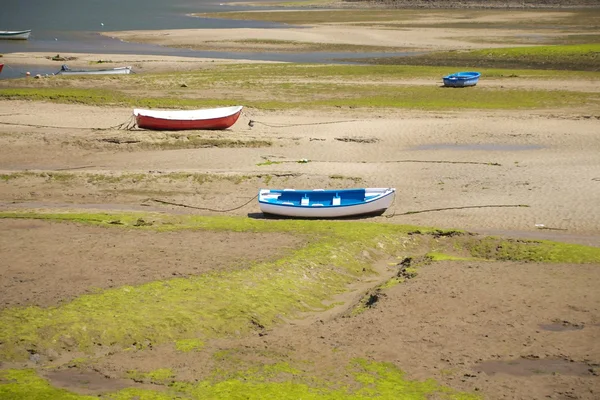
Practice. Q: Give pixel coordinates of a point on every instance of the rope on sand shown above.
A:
(458, 208)
(127, 125)
(202, 208)
(40, 126)
(252, 122)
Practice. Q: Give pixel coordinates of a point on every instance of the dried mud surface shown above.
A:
(472, 326)
(45, 263)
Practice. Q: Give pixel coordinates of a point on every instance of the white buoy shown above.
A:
(102, 23)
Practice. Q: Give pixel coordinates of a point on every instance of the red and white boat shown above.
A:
(167, 120)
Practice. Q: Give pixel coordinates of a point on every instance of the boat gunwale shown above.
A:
(14, 35)
(15, 32)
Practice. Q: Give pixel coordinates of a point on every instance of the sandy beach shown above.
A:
(481, 327)
(436, 160)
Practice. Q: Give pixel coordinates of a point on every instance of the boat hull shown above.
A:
(112, 71)
(379, 200)
(1, 66)
(206, 119)
(15, 35)
(462, 79)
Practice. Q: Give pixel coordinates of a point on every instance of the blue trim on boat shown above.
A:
(321, 198)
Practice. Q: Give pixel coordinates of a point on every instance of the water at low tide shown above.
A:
(60, 18)
(72, 26)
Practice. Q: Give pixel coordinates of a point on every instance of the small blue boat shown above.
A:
(462, 79)
(319, 203)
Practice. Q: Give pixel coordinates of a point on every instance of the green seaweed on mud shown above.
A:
(232, 303)
(294, 86)
(571, 58)
(437, 256)
(25, 384)
(48, 176)
(210, 305)
(367, 380)
(363, 380)
(161, 376)
(187, 345)
(112, 178)
(494, 248)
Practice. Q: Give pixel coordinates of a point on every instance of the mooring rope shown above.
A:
(252, 122)
(462, 208)
(392, 206)
(203, 208)
(393, 214)
(127, 125)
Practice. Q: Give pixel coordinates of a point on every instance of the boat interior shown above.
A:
(316, 198)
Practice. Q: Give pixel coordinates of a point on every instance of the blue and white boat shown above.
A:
(319, 203)
(461, 79)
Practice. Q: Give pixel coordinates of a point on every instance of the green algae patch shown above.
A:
(210, 305)
(236, 303)
(292, 86)
(143, 394)
(25, 384)
(360, 380)
(363, 380)
(187, 345)
(109, 178)
(493, 248)
(436, 256)
(161, 376)
(578, 57)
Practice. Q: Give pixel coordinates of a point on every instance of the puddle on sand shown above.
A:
(478, 146)
(561, 326)
(536, 366)
(86, 382)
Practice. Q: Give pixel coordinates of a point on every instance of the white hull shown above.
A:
(189, 115)
(209, 118)
(15, 35)
(113, 71)
(378, 205)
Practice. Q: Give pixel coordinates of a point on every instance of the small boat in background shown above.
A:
(319, 203)
(16, 35)
(65, 70)
(167, 120)
(461, 79)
